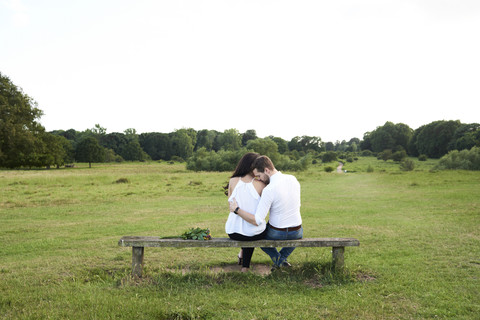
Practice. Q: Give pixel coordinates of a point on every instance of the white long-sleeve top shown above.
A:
(282, 198)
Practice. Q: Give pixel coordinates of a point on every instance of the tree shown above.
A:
(57, 150)
(353, 145)
(390, 136)
(366, 143)
(435, 137)
(206, 139)
(115, 141)
(19, 130)
(132, 151)
(329, 156)
(412, 144)
(100, 130)
(100, 133)
(329, 146)
(89, 150)
(70, 134)
(156, 145)
(465, 137)
(281, 144)
(312, 143)
(382, 137)
(266, 147)
(230, 139)
(248, 135)
(341, 146)
(181, 144)
(354, 140)
(294, 144)
(130, 132)
(305, 144)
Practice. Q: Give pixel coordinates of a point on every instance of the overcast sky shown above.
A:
(333, 69)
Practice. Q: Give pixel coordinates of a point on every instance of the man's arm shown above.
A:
(247, 216)
(264, 205)
(262, 209)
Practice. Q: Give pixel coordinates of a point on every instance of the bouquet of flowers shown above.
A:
(197, 234)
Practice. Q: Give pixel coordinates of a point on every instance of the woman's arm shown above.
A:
(231, 185)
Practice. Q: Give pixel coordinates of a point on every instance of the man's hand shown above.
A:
(233, 205)
(247, 216)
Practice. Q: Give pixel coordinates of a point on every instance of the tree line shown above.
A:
(25, 143)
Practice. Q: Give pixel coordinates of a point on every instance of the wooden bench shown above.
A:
(138, 245)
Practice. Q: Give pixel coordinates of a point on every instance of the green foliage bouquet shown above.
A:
(197, 234)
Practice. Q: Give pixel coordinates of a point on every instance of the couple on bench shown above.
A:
(256, 188)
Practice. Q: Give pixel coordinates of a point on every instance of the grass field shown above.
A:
(419, 254)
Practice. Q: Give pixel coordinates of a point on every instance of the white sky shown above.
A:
(333, 69)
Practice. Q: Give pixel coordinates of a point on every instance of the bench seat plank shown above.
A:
(138, 241)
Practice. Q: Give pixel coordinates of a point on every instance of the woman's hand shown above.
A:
(233, 205)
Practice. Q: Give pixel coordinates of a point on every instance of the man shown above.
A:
(281, 197)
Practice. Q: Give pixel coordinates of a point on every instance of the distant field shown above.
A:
(419, 254)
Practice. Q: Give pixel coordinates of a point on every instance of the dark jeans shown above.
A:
(247, 252)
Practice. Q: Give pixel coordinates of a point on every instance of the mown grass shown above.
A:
(419, 256)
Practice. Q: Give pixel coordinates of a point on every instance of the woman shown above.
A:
(247, 191)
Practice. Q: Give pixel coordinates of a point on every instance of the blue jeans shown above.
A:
(279, 257)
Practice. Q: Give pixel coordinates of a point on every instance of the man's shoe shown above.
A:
(286, 264)
(274, 268)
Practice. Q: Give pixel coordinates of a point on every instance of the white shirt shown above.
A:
(282, 197)
(247, 198)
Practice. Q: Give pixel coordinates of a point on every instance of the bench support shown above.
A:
(137, 261)
(337, 258)
(138, 253)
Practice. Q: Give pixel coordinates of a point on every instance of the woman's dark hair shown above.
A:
(244, 166)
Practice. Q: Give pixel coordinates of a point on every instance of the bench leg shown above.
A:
(337, 258)
(137, 261)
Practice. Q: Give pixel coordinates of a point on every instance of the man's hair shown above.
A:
(263, 162)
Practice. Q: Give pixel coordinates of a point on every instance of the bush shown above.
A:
(465, 159)
(286, 163)
(177, 159)
(204, 160)
(329, 156)
(422, 157)
(370, 169)
(385, 155)
(328, 169)
(399, 155)
(111, 156)
(367, 153)
(407, 165)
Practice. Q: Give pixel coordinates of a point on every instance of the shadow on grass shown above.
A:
(309, 274)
